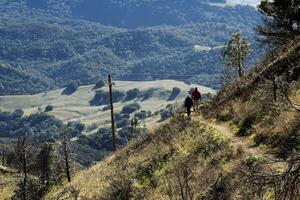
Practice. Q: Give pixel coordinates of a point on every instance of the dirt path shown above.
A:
(241, 143)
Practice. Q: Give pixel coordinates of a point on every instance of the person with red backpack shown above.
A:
(196, 96)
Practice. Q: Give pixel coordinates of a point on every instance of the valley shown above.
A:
(57, 139)
(152, 96)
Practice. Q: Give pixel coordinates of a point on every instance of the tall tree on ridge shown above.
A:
(281, 21)
(234, 55)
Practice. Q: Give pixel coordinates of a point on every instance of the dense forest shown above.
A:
(46, 44)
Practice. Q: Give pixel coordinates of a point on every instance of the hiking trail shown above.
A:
(242, 143)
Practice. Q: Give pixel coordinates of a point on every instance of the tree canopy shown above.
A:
(281, 21)
(234, 55)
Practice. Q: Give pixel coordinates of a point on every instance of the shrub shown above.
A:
(141, 115)
(17, 113)
(122, 123)
(165, 114)
(118, 116)
(118, 96)
(175, 92)
(99, 84)
(131, 108)
(92, 127)
(105, 108)
(259, 138)
(132, 94)
(75, 128)
(100, 98)
(71, 88)
(49, 108)
(225, 115)
(246, 124)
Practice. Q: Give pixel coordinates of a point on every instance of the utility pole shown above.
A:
(66, 154)
(112, 113)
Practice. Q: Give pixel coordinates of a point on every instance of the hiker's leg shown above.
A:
(196, 105)
(188, 112)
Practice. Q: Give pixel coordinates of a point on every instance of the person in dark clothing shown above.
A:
(196, 97)
(188, 103)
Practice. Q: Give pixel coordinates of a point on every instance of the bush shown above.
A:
(175, 92)
(132, 94)
(71, 88)
(118, 96)
(165, 114)
(246, 124)
(49, 108)
(128, 109)
(141, 115)
(122, 123)
(100, 98)
(17, 113)
(99, 84)
(225, 115)
(259, 138)
(75, 128)
(105, 108)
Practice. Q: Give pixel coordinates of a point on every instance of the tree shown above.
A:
(21, 150)
(234, 55)
(66, 158)
(44, 160)
(2, 154)
(49, 108)
(281, 21)
(71, 88)
(99, 84)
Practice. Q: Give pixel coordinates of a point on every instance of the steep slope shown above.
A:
(200, 159)
(265, 104)
(8, 183)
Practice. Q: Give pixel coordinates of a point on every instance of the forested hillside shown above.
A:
(46, 44)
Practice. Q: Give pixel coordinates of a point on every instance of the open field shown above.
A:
(76, 107)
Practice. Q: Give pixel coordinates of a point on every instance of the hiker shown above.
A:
(188, 103)
(196, 96)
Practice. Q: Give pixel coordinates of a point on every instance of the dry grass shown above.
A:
(151, 167)
(76, 106)
(8, 183)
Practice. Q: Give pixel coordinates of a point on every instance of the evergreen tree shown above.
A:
(281, 21)
(234, 55)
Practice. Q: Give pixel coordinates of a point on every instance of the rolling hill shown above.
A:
(153, 96)
(46, 44)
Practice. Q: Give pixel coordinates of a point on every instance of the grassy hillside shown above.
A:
(152, 96)
(8, 183)
(247, 148)
(265, 104)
